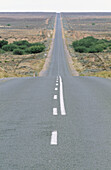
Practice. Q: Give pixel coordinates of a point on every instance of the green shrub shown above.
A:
(23, 47)
(9, 47)
(104, 46)
(20, 43)
(92, 50)
(36, 44)
(18, 52)
(2, 43)
(81, 49)
(27, 51)
(96, 49)
(91, 45)
(8, 25)
(86, 42)
(102, 41)
(35, 49)
(99, 48)
(75, 44)
(2, 51)
(109, 44)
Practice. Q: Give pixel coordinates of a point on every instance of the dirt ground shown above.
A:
(80, 25)
(33, 27)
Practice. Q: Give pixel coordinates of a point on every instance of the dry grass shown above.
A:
(21, 66)
(78, 26)
(33, 27)
(31, 35)
(104, 74)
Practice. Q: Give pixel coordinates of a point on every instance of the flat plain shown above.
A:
(81, 25)
(33, 27)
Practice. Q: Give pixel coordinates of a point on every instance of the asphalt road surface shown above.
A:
(55, 122)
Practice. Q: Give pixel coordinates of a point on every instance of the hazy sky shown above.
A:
(56, 5)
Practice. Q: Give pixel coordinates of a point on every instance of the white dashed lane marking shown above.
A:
(55, 111)
(54, 138)
(55, 96)
(62, 109)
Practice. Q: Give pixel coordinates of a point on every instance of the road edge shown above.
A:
(68, 56)
(48, 59)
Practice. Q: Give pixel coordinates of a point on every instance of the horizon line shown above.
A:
(56, 11)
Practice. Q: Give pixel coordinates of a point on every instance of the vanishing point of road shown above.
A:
(55, 122)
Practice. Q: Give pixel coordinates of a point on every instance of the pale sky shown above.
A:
(56, 5)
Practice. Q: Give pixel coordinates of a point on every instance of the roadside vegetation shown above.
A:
(88, 39)
(91, 45)
(21, 58)
(21, 47)
(25, 40)
(92, 57)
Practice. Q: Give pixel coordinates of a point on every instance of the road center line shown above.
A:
(55, 111)
(62, 106)
(56, 88)
(55, 96)
(56, 84)
(54, 138)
